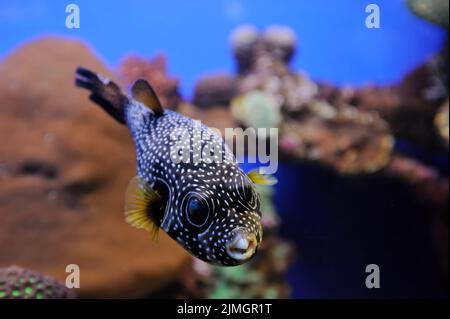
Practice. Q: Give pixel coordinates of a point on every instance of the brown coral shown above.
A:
(346, 139)
(214, 90)
(64, 168)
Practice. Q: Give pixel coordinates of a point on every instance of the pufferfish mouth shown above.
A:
(242, 246)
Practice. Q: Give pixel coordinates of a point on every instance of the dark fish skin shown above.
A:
(209, 201)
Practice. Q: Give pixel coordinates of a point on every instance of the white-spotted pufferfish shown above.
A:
(206, 203)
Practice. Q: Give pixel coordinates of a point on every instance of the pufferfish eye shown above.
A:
(197, 211)
(251, 197)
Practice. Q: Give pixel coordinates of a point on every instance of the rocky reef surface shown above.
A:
(64, 167)
(153, 70)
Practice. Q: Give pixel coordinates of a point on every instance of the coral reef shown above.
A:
(280, 41)
(269, 71)
(408, 107)
(270, 94)
(19, 283)
(345, 139)
(350, 129)
(64, 168)
(64, 164)
(153, 70)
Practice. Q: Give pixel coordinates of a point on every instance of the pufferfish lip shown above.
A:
(242, 246)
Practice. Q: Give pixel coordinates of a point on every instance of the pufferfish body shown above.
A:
(188, 182)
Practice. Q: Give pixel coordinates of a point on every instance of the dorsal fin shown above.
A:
(143, 92)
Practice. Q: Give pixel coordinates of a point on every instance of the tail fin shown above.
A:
(104, 92)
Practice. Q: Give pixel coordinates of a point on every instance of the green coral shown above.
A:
(256, 109)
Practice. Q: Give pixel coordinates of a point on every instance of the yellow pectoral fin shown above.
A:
(142, 205)
(261, 179)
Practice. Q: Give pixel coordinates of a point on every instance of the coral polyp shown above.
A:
(20, 283)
